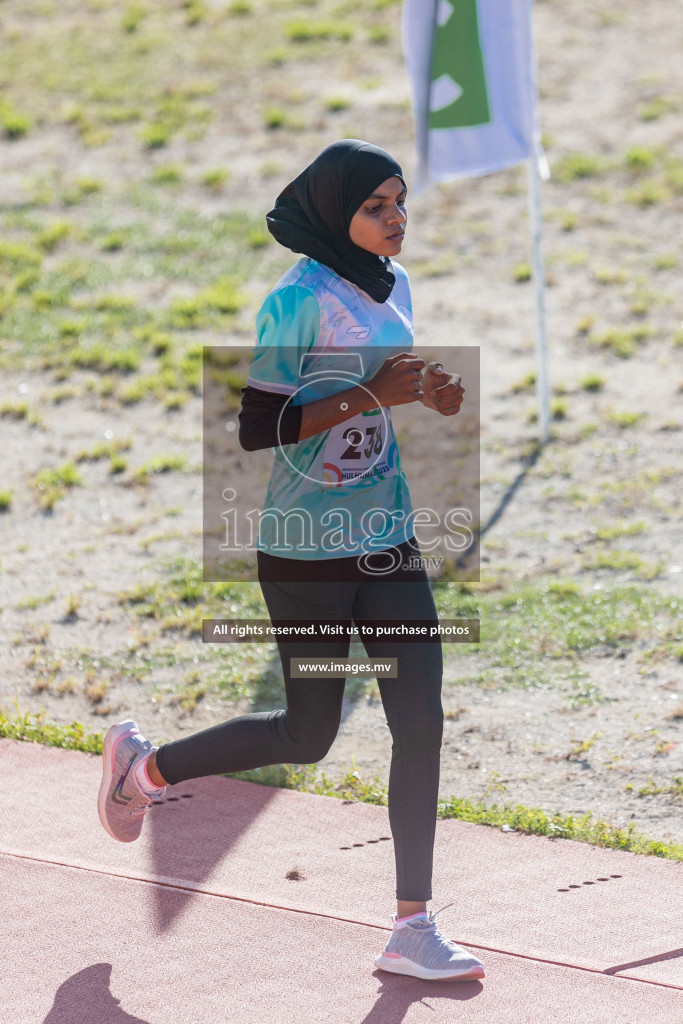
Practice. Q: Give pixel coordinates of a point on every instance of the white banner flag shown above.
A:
(473, 74)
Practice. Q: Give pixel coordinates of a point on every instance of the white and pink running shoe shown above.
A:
(417, 947)
(122, 803)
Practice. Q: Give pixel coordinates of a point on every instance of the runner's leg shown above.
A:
(304, 731)
(412, 704)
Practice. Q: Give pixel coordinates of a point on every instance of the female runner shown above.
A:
(337, 465)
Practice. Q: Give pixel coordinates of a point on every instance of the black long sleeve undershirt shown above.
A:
(258, 419)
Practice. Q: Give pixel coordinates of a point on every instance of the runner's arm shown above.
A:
(397, 382)
(261, 411)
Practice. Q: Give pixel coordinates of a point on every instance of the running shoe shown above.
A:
(121, 803)
(418, 948)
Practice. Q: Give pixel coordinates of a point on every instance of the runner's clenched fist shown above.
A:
(443, 391)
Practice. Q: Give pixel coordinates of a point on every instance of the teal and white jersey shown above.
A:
(341, 492)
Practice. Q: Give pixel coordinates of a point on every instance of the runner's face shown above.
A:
(380, 223)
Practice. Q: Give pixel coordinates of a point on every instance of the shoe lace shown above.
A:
(144, 802)
(443, 939)
(442, 908)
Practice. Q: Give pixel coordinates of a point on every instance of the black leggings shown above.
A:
(305, 731)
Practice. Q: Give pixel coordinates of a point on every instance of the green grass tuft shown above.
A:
(224, 296)
(34, 728)
(132, 17)
(649, 193)
(275, 117)
(50, 237)
(156, 135)
(640, 158)
(626, 418)
(592, 382)
(334, 104)
(583, 829)
(104, 450)
(104, 358)
(379, 35)
(12, 410)
(161, 464)
(522, 272)
(657, 107)
(52, 484)
(215, 178)
(623, 529)
(623, 341)
(16, 256)
(14, 124)
(559, 408)
(302, 31)
(577, 165)
(167, 174)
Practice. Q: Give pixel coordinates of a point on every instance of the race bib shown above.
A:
(360, 448)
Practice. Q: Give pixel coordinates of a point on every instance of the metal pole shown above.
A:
(536, 226)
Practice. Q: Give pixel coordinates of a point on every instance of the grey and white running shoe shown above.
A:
(418, 948)
(121, 803)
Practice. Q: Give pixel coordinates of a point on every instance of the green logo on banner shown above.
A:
(458, 97)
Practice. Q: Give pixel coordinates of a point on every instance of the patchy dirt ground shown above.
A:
(611, 83)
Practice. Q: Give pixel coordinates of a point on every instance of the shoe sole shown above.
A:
(111, 742)
(405, 966)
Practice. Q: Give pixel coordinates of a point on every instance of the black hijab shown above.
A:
(313, 213)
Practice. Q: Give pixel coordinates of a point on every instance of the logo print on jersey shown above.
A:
(335, 319)
(332, 474)
(117, 795)
(361, 333)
